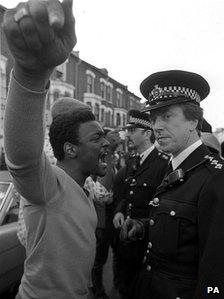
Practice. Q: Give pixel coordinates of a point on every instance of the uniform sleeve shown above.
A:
(211, 237)
(24, 132)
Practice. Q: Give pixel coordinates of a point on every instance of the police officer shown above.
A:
(184, 256)
(134, 186)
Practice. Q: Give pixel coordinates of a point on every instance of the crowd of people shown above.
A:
(159, 206)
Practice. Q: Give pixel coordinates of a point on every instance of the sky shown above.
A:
(133, 39)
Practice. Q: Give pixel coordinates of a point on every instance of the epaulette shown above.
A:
(163, 155)
(214, 161)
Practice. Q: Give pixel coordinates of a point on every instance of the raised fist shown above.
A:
(40, 33)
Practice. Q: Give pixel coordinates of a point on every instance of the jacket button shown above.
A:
(131, 193)
(172, 213)
(151, 222)
(148, 268)
(156, 200)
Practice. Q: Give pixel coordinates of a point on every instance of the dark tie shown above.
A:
(169, 169)
(137, 161)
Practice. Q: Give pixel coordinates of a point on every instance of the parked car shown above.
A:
(12, 253)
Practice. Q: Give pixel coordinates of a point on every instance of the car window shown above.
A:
(9, 203)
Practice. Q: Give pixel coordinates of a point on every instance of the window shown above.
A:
(90, 76)
(131, 103)
(102, 115)
(9, 203)
(97, 112)
(119, 98)
(118, 118)
(102, 90)
(109, 93)
(124, 120)
(90, 84)
(108, 118)
(112, 119)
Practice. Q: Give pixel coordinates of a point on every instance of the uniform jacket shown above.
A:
(134, 187)
(136, 184)
(185, 253)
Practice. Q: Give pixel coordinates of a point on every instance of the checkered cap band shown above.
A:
(164, 93)
(139, 121)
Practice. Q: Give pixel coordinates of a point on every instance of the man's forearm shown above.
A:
(24, 124)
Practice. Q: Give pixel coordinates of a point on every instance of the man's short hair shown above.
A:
(65, 128)
(193, 111)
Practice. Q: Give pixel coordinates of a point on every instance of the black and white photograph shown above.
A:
(111, 149)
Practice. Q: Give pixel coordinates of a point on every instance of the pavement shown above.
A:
(108, 279)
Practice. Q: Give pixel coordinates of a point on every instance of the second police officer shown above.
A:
(134, 186)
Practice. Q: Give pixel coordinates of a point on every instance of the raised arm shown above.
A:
(40, 35)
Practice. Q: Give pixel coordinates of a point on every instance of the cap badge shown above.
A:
(156, 91)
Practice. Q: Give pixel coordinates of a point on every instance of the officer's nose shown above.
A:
(158, 124)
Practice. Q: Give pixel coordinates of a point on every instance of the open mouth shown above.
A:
(102, 158)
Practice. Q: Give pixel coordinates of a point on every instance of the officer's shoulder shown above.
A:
(163, 156)
(214, 163)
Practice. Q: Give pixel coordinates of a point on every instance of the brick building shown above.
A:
(110, 100)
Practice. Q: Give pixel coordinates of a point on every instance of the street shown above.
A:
(108, 279)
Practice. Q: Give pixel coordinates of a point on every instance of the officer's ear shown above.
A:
(148, 133)
(193, 125)
(70, 150)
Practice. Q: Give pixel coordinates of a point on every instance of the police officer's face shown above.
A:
(136, 136)
(173, 131)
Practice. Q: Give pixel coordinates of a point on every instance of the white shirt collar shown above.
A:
(176, 161)
(145, 154)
